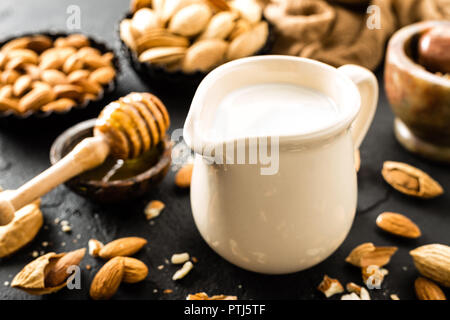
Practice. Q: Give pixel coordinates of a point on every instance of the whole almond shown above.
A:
(162, 55)
(89, 86)
(398, 224)
(410, 180)
(122, 247)
(144, 20)
(183, 176)
(135, 270)
(27, 55)
(433, 262)
(51, 61)
(6, 91)
(428, 290)
(9, 104)
(18, 43)
(32, 70)
(69, 91)
(103, 75)
(35, 99)
(357, 253)
(57, 271)
(107, 280)
(59, 105)
(78, 75)
(73, 40)
(74, 62)
(40, 43)
(249, 9)
(95, 62)
(22, 84)
(54, 77)
(9, 76)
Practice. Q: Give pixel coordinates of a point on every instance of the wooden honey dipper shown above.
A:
(125, 129)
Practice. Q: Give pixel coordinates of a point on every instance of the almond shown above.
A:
(57, 271)
(6, 91)
(162, 55)
(9, 76)
(204, 55)
(94, 247)
(183, 176)
(153, 209)
(78, 75)
(248, 43)
(69, 91)
(330, 287)
(122, 247)
(18, 43)
(144, 20)
(9, 104)
(204, 296)
(34, 277)
(103, 75)
(410, 180)
(249, 10)
(241, 26)
(135, 270)
(190, 20)
(59, 105)
(220, 4)
(21, 230)
(220, 26)
(22, 84)
(54, 77)
(35, 99)
(95, 62)
(428, 290)
(73, 62)
(126, 35)
(433, 262)
(40, 43)
(74, 40)
(398, 224)
(367, 254)
(107, 280)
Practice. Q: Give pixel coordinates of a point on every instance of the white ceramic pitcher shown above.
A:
(296, 218)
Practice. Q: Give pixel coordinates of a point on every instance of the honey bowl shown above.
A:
(419, 98)
(115, 180)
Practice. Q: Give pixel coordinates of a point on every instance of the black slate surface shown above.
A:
(24, 153)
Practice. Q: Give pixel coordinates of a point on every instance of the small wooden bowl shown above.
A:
(110, 191)
(420, 99)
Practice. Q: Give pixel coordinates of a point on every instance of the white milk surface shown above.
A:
(272, 109)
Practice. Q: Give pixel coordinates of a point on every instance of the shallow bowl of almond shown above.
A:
(177, 42)
(48, 75)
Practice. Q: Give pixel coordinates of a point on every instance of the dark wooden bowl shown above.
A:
(420, 99)
(83, 111)
(110, 191)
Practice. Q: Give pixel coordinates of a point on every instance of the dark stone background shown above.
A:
(24, 153)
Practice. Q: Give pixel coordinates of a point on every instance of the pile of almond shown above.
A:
(38, 73)
(194, 35)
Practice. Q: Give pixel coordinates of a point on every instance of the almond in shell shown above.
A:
(163, 55)
(126, 34)
(433, 262)
(190, 20)
(34, 277)
(398, 224)
(249, 10)
(160, 39)
(410, 180)
(21, 230)
(204, 55)
(249, 42)
(428, 290)
(144, 20)
(122, 247)
(220, 26)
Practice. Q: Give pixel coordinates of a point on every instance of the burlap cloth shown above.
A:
(338, 32)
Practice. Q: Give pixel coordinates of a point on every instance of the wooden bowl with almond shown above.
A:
(176, 43)
(47, 76)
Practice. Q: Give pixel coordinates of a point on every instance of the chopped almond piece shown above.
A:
(330, 286)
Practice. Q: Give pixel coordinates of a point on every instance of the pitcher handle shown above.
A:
(367, 85)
